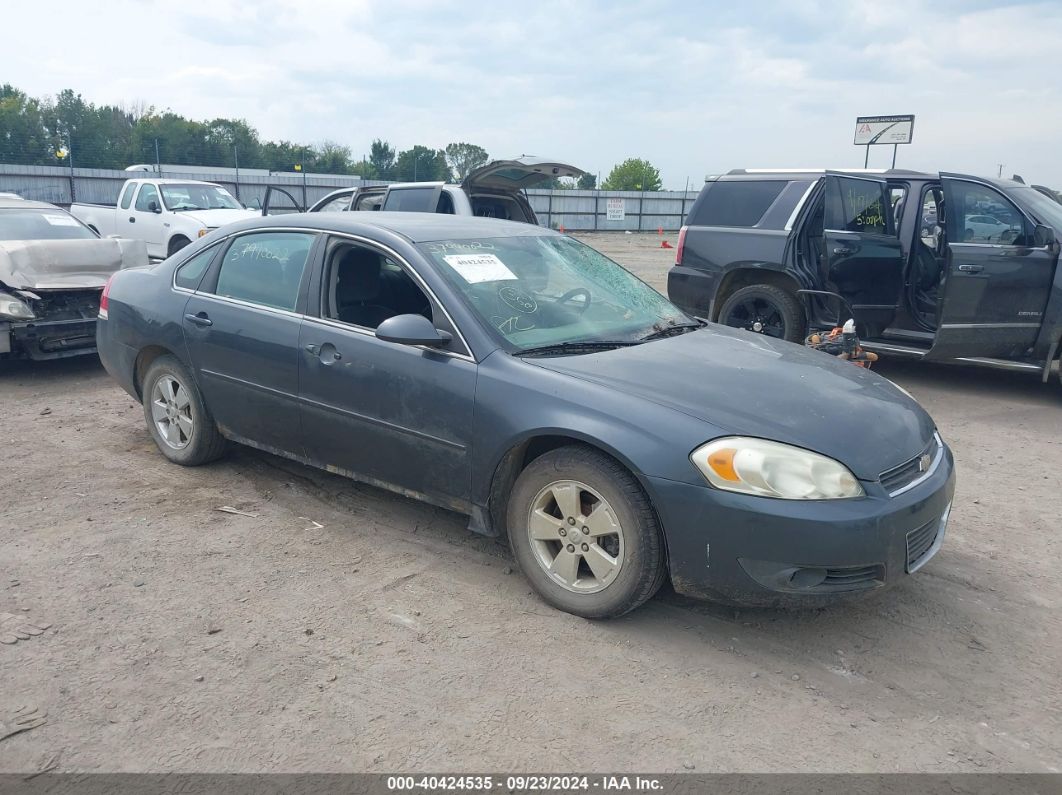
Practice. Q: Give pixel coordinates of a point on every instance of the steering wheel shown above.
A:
(573, 293)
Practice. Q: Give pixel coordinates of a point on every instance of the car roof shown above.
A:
(815, 173)
(415, 227)
(25, 204)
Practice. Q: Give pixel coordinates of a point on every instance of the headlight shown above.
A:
(772, 469)
(13, 307)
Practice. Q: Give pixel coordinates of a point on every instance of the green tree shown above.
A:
(421, 164)
(587, 182)
(465, 158)
(331, 158)
(24, 137)
(633, 174)
(382, 159)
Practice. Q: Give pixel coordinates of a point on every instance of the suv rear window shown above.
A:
(739, 203)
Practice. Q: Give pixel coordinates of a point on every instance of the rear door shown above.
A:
(863, 258)
(996, 282)
(242, 330)
(518, 174)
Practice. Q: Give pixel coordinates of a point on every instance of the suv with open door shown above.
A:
(495, 190)
(935, 266)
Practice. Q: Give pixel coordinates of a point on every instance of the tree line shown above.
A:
(67, 130)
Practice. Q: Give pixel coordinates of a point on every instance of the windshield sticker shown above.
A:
(476, 268)
(60, 220)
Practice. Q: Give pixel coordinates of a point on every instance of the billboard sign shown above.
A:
(884, 130)
(615, 210)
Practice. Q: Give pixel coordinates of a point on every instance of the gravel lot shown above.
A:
(341, 628)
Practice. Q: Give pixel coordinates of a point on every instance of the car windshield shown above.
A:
(544, 290)
(52, 224)
(1047, 212)
(197, 197)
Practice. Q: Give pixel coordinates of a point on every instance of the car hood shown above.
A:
(212, 219)
(751, 385)
(66, 264)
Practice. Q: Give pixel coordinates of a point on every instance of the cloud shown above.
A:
(696, 88)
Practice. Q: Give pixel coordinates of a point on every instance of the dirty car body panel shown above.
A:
(52, 280)
(454, 424)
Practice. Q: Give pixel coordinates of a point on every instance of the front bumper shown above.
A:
(48, 339)
(759, 551)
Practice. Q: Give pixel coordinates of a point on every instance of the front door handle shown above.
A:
(326, 352)
(971, 268)
(199, 319)
(132, 220)
(843, 250)
(314, 350)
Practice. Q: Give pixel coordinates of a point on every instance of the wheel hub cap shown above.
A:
(171, 411)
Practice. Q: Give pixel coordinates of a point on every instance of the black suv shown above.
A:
(943, 267)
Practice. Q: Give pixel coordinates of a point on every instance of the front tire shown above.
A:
(584, 533)
(177, 418)
(765, 309)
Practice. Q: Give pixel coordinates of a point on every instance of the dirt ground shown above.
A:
(342, 628)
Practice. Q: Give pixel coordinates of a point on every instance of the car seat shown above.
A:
(359, 287)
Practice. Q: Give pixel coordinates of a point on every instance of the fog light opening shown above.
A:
(807, 578)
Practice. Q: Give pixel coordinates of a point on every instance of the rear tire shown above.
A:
(176, 416)
(765, 309)
(584, 533)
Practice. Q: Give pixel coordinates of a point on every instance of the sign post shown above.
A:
(874, 130)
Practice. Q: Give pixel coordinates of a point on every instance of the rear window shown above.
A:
(42, 225)
(736, 203)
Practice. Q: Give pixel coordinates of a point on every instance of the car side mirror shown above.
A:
(1043, 236)
(412, 330)
(154, 207)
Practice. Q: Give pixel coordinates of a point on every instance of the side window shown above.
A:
(337, 205)
(859, 205)
(929, 222)
(979, 214)
(368, 201)
(411, 200)
(265, 268)
(897, 198)
(127, 195)
(737, 203)
(191, 273)
(148, 193)
(364, 288)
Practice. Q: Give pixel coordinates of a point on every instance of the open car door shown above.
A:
(862, 256)
(518, 174)
(997, 276)
(279, 202)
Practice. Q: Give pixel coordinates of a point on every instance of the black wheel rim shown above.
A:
(760, 315)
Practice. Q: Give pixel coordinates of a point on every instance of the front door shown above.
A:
(279, 202)
(147, 222)
(242, 330)
(863, 256)
(396, 415)
(996, 282)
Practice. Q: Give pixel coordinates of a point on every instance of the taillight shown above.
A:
(103, 297)
(681, 245)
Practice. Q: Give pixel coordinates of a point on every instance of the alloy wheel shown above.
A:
(575, 536)
(171, 411)
(759, 315)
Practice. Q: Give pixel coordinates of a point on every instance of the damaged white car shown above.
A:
(52, 271)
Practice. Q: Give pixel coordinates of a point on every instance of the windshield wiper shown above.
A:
(672, 331)
(585, 346)
(184, 207)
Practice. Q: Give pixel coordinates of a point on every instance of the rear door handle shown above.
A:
(842, 250)
(200, 319)
(971, 268)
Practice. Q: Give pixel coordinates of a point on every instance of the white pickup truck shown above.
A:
(167, 214)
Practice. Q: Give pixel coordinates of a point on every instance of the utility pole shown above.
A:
(1001, 170)
(158, 167)
(236, 159)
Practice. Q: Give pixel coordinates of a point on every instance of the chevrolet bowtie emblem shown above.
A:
(924, 462)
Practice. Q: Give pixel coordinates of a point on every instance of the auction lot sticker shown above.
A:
(476, 268)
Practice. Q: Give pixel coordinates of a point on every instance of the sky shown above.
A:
(696, 88)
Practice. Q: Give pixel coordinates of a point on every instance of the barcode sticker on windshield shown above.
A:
(60, 220)
(476, 268)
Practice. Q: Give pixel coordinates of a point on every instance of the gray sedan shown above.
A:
(524, 379)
